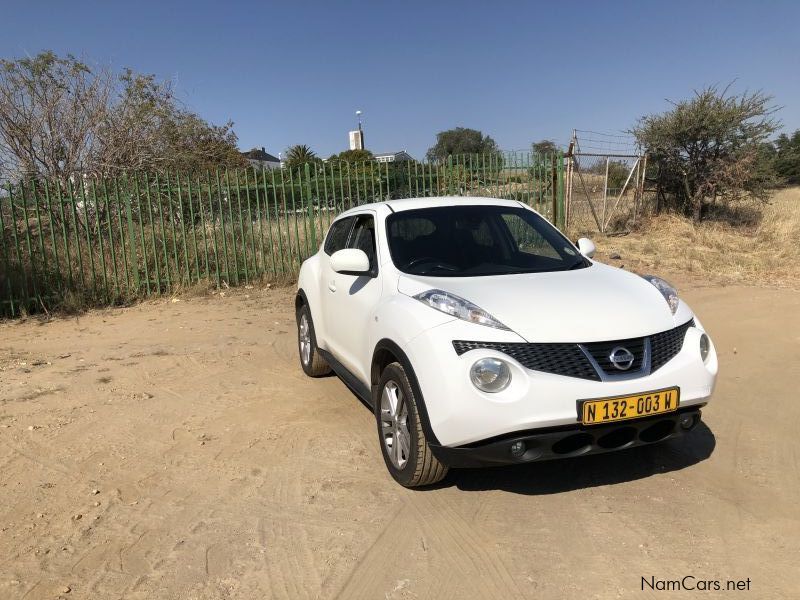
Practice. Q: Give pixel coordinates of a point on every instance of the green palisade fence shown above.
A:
(99, 241)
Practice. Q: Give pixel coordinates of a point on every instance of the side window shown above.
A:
(363, 237)
(337, 236)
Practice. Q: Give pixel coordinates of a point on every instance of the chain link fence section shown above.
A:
(605, 177)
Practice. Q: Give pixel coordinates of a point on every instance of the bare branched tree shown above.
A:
(149, 129)
(59, 117)
(49, 111)
(129, 138)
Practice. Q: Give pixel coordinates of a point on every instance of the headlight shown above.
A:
(705, 346)
(490, 375)
(668, 291)
(458, 307)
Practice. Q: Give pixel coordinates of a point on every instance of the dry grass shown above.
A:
(759, 247)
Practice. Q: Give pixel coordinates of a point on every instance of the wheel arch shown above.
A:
(300, 300)
(386, 352)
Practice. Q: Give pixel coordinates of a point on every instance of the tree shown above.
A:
(353, 156)
(298, 155)
(618, 172)
(708, 148)
(195, 144)
(59, 116)
(147, 129)
(461, 141)
(49, 108)
(543, 147)
(787, 157)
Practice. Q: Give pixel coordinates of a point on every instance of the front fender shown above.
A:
(422, 409)
(308, 291)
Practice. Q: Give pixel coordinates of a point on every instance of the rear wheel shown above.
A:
(405, 449)
(311, 361)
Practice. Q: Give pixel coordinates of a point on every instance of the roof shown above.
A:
(260, 154)
(440, 201)
(395, 153)
(432, 202)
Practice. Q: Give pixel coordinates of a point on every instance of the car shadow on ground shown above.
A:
(556, 476)
(567, 474)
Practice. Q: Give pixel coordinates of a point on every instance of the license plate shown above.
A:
(622, 408)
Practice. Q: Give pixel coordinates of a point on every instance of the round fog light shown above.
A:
(705, 346)
(686, 421)
(518, 449)
(490, 375)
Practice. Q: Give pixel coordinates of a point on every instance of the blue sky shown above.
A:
(295, 72)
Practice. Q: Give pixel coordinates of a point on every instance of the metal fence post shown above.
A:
(6, 262)
(131, 238)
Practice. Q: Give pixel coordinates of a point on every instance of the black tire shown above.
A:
(420, 467)
(312, 363)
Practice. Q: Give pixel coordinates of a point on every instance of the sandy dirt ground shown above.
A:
(175, 450)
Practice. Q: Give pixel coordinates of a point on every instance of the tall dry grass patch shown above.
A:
(745, 245)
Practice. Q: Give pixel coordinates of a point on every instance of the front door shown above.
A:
(350, 303)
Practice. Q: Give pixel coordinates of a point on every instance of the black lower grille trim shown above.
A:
(568, 359)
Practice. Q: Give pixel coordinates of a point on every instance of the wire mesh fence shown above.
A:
(603, 191)
(605, 182)
(94, 241)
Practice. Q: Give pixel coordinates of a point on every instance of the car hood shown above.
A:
(598, 303)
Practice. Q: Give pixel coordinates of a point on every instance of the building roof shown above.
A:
(260, 154)
(378, 154)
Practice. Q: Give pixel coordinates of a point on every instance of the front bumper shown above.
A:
(459, 414)
(569, 441)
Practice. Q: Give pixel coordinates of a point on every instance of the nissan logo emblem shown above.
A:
(621, 358)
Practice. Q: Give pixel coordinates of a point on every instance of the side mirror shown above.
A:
(350, 261)
(586, 247)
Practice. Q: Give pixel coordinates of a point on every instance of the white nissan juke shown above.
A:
(480, 335)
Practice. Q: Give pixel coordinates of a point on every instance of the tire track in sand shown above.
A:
(457, 557)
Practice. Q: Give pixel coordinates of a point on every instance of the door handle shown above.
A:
(332, 286)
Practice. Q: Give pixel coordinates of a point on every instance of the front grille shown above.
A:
(665, 346)
(569, 360)
(561, 359)
(601, 351)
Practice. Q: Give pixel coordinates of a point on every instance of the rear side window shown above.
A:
(337, 236)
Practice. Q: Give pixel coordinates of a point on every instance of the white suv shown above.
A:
(480, 335)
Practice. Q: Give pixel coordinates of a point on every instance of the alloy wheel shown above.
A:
(394, 424)
(304, 339)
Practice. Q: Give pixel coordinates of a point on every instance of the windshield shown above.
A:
(473, 241)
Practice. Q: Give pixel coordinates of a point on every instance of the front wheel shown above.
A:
(311, 361)
(405, 449)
